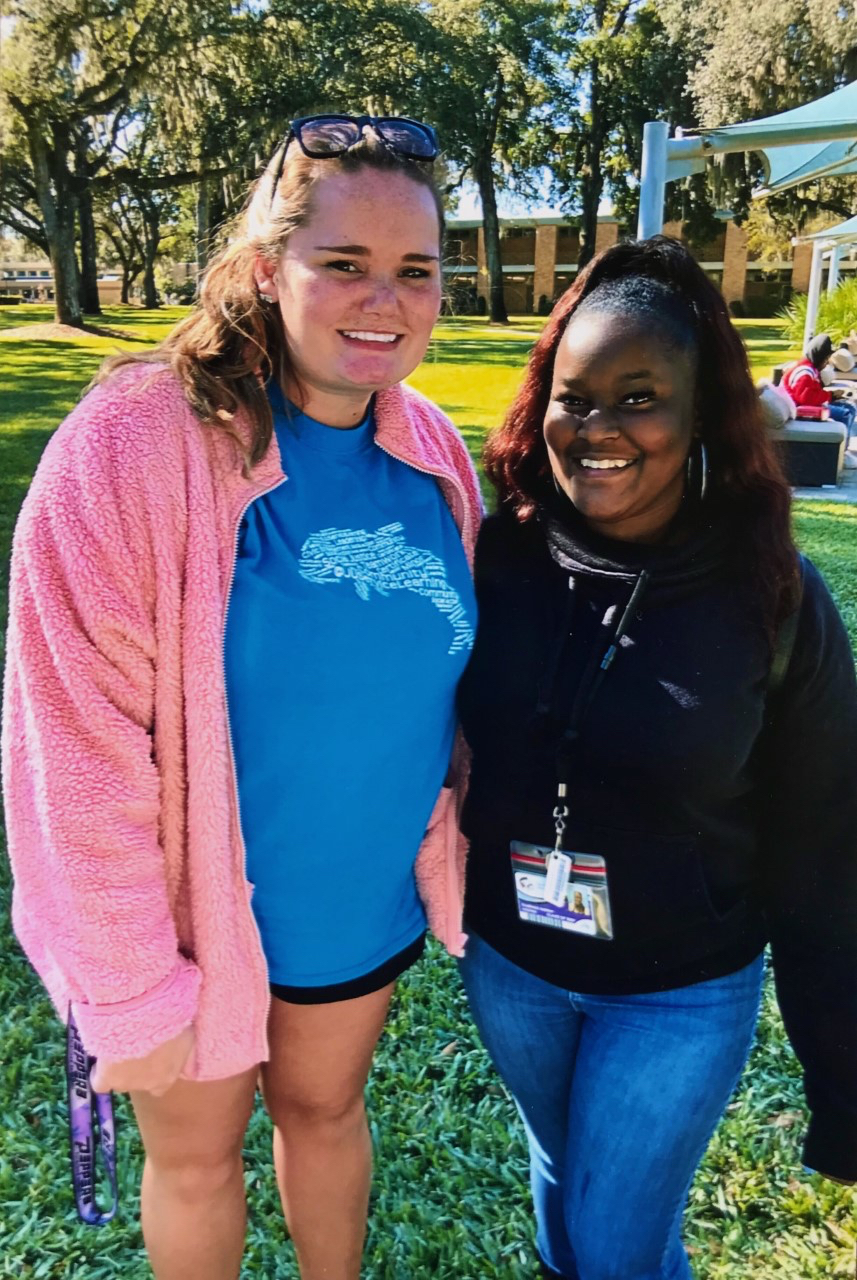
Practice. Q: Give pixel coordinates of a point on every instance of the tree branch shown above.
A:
(92, 101)
(160, 182)
(620, 19)
(31, 233)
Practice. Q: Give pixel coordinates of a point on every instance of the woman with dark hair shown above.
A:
(240, 605)
(662, 712)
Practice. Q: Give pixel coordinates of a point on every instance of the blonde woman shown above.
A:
(240, 605)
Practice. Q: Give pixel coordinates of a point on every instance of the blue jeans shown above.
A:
(619, 1096)
(843, 411)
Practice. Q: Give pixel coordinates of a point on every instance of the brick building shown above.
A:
(540, 260)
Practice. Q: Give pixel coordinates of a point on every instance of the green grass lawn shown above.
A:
(450, 1197)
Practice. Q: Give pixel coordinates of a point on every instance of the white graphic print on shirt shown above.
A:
(384, 561)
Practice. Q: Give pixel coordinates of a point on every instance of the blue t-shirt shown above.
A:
(350, 621)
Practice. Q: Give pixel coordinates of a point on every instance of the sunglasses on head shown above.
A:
(322, 137)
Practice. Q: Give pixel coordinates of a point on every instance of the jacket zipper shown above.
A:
(438, 475)
(232, 767)
(453, 906)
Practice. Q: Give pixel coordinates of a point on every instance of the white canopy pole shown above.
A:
(653, 179)
(814, 290)
(826, 121)
(833, 271)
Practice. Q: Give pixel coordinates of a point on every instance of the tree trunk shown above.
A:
(203, 224)
(592, 183)
(64, 263)
(86, 222)
(152, 239)
(126, 285)
(88, 255)
(493, 253)
(57, 206)
(150, 292)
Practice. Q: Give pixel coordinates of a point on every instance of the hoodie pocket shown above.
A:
(656, 883)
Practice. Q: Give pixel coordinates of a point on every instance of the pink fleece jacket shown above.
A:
(131, 898)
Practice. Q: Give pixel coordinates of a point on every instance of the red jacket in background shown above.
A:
(803, 383)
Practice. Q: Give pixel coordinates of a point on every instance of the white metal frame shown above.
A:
(666, 158)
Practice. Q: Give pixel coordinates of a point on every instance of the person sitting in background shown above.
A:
(802, 380)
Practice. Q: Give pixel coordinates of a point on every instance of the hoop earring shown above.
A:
(697, 472)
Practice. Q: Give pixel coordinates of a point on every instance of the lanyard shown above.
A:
(92, 1128)
(590, 683)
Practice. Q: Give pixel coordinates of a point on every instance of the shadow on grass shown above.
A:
(128, 317)
(510, 353)
(45, 375)
(770, 336)
(139, 319)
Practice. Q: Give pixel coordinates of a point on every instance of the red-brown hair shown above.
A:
(745, 476)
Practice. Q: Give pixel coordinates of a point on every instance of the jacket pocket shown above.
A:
(656, 883)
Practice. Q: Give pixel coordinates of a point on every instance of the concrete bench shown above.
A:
(812, 452)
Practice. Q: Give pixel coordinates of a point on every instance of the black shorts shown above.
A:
(362, 986)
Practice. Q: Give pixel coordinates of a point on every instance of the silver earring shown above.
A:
(697, 483)
(263, 297)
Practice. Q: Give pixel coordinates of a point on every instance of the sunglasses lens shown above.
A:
(408, 137)
(329, 137)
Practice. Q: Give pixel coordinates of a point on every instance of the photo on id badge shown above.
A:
(562, 890)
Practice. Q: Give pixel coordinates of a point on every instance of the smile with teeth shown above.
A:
(367, 335)
(606, 464)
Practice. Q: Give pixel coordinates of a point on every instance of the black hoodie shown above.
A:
(727, 818)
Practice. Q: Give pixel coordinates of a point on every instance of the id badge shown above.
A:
(562, 890)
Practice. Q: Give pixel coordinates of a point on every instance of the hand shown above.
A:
(154, 1073)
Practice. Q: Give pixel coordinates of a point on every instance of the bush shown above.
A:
(9, 299)
(766, 307)
(837, 313)
(184, 292)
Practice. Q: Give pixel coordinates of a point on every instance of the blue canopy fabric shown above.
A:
(839, 234)
(790, 165)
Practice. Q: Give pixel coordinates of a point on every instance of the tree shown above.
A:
(19, 207)
(492, 65)
(120, 235)
(756, 60)
(227, 102)
(622, 70)
(69, 74)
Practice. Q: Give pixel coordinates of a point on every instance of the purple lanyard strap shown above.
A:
(91, 1127)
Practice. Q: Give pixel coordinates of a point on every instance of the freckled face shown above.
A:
(359, 289)
(620, 424)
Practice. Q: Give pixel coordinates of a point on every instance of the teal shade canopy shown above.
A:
(788, 166)
(839, 234)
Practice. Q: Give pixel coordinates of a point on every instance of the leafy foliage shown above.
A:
(623, 69)
(837, 313)
(753, 60)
